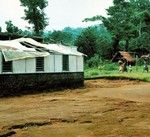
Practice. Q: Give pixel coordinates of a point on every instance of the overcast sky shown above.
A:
(61, 13)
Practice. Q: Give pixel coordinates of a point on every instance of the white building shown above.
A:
(38, 66)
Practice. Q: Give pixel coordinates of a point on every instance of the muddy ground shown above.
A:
(103, 108)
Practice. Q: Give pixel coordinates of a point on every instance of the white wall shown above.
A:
(80, 63)
(30, 65)
(58, 63)
(72, 63)
(0, 62)
(52, 63)
(19, 66)
(49, 63)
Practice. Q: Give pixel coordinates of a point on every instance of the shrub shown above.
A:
(110, 66)
(94, 61)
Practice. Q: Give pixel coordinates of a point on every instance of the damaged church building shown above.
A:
(27, 65)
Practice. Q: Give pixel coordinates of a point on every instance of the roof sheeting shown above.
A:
(14, 50)
(28, 48)
(14, 45)
(31, 41)
(58, 48)
(10, 55)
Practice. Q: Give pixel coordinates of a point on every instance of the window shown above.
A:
(65, 63)
(40, 64)
(6, 66)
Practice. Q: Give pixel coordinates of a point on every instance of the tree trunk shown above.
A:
(127, 45)
(115, 45)
(140, 29)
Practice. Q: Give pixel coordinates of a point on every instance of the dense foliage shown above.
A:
(11, 28)
(94, 40)
(128, 21)
(34, 13)
(61, 37)
(67, 36)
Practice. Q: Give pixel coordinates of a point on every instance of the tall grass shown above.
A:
(111, 70)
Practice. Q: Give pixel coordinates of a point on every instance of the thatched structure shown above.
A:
(125, 56)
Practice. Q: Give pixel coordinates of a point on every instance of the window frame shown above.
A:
(65, 62)
(6, 64)
(39, 66)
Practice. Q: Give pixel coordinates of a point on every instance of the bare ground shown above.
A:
(103, 108)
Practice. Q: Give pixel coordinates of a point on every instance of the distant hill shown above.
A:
(74, 31)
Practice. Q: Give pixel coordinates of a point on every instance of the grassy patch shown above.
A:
(111, 71)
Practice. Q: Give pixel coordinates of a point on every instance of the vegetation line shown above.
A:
(112, 78)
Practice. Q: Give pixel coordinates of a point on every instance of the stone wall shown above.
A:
(18, 84)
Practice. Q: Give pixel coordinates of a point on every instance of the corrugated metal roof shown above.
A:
(14, 45)
(27, 48)
(31, 41)
(10, 55)
(56, 48)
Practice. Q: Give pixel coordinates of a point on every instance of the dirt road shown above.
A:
(103, 108)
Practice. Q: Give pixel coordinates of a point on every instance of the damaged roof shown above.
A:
(28, 48)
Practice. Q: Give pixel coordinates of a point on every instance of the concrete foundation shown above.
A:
(18, 84)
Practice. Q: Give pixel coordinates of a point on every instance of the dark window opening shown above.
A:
(65, 63)
(6, 66)
(40, 64)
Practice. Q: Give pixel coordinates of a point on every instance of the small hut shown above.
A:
(124, 56)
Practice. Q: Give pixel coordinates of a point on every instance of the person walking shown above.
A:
(145, 68)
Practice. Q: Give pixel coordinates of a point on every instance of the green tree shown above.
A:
(127, 19)
(86, 42)
(95, 40)
(119, 23)
(141, 21)
(61, 37)
(34, 13)
(0, 29)
(103, 43)
(11, 28)
(46, 37)
(27, 33)
(74, 31)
